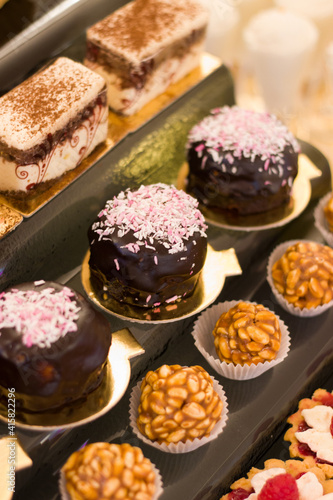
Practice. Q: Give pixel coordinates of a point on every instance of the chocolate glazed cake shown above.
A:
(147, 247)
(241, 161)
(53, 346)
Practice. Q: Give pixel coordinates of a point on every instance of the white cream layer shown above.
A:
(318, 437)
(46, 102)
(63, 157)
(309, 488)
(128, 101)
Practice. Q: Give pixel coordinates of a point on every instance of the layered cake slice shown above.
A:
(145, 46)
(49, 124)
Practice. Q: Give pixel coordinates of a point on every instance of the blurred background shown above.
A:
(280, 53)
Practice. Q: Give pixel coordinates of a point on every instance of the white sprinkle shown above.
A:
(42, 317)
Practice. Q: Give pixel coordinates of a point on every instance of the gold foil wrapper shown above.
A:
(12, 459)
(218, 265)
(115, 382)
(9, 220)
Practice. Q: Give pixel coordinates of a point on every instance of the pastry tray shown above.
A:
(32, 31)
(52, 244)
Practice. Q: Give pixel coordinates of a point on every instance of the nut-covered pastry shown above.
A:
(328, 212)
(304, 274)
(105, 471)
(292, 480)
(177, 404)
(311, 431)
(247, 334)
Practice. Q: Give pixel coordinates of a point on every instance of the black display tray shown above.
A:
(32, 31)
(52, 244)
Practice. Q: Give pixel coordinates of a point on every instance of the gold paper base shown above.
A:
(11, 449)
(115, 382)
(9, 220)
(217, 267)
(118, 128)
(301, 195)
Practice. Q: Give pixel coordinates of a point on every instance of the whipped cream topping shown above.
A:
(308, 486)
(318, 437)
(142, 28)
(41, 317)
(157, 213)
(233, 132)
(46, 102)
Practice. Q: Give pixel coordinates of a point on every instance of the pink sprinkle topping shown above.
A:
(41, 317)
(157, 213)
(244, 133)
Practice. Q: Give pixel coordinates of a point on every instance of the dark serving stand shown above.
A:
(51, 245)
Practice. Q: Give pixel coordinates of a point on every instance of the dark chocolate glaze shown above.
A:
(72, 367)
(139, 280)
(248, 191)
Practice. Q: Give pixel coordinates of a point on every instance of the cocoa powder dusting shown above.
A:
(35, 106)
(143, 22)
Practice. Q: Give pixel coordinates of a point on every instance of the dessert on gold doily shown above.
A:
(218, 266)
(106, 396)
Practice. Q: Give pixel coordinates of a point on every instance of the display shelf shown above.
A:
(52, 244)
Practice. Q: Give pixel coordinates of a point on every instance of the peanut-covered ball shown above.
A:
(328, 212)
(247, 334)
(101, 471)
(177, 404)
(304, 274)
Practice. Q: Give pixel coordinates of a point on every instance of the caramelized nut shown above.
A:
(256, 331)
(328, 212)
(310, 283)
(190, 404)
(104, 470)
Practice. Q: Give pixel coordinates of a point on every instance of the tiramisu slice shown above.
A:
(50, 123)
(145, 46)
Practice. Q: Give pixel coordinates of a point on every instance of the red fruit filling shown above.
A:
(326, 399)
(280, 487)
(239, 494)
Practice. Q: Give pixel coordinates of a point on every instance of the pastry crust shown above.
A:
(296, 419)
(293, 467)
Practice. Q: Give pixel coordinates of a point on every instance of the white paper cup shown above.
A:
(280, 44)
(204, 341)
(296, 311)
(178, 447)
(320, 219)
(158, 485)
(320, 12)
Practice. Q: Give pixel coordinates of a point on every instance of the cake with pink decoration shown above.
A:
(241, 161)
(53, 346)
(49, 124)
(143, 47)
(147, 247)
